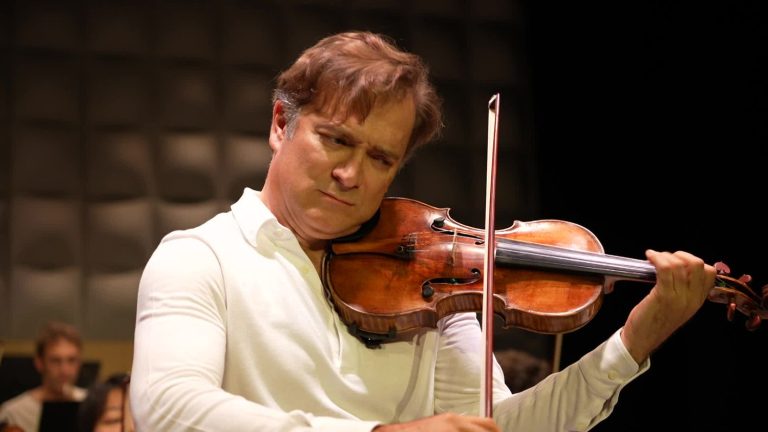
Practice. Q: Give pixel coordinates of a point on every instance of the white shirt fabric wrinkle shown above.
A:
(234, 332)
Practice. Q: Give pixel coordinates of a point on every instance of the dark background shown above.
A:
(650, 123)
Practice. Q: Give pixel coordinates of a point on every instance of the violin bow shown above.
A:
(486, 370)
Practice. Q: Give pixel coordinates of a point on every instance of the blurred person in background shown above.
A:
(106, 408)
(58, 358)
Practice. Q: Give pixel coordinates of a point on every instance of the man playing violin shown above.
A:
(234, 330)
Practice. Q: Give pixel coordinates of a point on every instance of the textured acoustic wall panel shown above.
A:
(4, 273)
(187, 96)
(120, 164)
(46, 161)
(187, 167)
(117, 92)
(47, 264)
(118, 235)
(46, 233)
(307, 23)
(506, 12)
(47, 24)
(443, 48)
(494, 55)
(46, 87)
(246, 159)
(188, 29)
(5, 24)
(5, 162)
(247, 101)
(118, 27)
(454, 9)
(252, 35)
(49, 293)
(5, 97)
(121, 121)
(109, 310)
(456, 114)
(441, 177)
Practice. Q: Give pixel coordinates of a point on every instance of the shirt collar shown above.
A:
(256, 221)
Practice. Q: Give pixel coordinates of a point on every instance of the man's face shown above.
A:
(59, 366)
(331, 174)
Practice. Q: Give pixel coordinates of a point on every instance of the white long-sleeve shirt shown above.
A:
(234, 333)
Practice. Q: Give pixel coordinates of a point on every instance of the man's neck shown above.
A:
(43, 393)
(315, 256)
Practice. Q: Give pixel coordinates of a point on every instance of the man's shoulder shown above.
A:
(211, 227)
(22, 411)
(242, 220)
(19, 398)
(21, 401)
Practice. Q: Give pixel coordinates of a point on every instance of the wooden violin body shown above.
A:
(417, 265)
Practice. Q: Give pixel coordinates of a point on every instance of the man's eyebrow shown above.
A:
(338, 127)
(386, 153)
(335, 127)
(331, 124)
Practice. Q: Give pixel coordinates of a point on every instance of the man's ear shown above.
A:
(277, 131)
(39, 364)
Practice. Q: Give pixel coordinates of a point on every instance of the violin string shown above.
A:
(586, 259)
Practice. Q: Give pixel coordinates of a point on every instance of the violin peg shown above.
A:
(427, 291)
(746, 279)
(753, 323)
(731, 311)
(722, 268)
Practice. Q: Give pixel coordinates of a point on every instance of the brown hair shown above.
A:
(54, 331)
(348, 73)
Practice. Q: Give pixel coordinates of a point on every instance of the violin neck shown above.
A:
(517, 253)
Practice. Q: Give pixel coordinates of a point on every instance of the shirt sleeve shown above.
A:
(179, 352)
(458, 366)
(576, 398)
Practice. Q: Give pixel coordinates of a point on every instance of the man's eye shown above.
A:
(331, 139)
(383, 160)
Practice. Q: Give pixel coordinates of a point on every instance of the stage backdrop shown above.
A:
(121, 121)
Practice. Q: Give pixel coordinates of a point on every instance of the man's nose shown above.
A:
(348, 171)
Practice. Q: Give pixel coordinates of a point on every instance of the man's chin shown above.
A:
(340, 229)
(355, 229)
(63, 387)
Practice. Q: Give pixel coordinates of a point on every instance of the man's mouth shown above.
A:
(335, 198)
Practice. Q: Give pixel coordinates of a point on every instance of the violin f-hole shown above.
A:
(427, 289)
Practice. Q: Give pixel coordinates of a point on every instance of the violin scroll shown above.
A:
(739, 296)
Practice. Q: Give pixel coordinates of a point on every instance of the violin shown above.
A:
(412, 265)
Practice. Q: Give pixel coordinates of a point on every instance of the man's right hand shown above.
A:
(447, 422)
